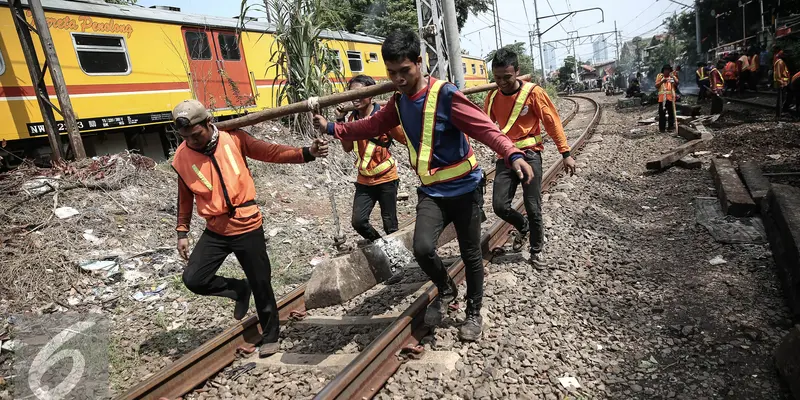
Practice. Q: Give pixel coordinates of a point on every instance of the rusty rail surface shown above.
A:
(194, 368)
(369, 371)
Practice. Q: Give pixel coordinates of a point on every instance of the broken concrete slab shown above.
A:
(688, 133)
(733, 196)
(689, 162)
(348, 320)
(442, 361)
(781, 211)
(627, 103)
(688, 110)
(754, 179)
(787, 359)
(339, 279)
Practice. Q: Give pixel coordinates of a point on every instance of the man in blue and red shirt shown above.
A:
(437, 121)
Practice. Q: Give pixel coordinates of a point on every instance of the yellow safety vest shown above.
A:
(362, 161)
(421, 161)
(701, 73)
(780, 73)
(524, 92)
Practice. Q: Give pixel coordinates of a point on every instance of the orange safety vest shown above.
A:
(519, 104)
(795, 77)
(754, 63)
(666, 92)
(716, 79)
(363, 159)
(730, 71)
(221, 183)
(781, 73)
(421, 161)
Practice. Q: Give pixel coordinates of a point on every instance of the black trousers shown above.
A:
(666, 107)
(364, 201)
(504, 189)
(433, 215)
(251, 251)
(785, 99)
(703, 93)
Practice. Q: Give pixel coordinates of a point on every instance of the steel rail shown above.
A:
(197, 366)
(369, 371)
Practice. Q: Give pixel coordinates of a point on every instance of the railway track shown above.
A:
(764, 100)
(372, 367)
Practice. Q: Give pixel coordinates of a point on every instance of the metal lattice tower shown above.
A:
(431, 33)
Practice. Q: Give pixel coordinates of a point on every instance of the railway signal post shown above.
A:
(24, 29)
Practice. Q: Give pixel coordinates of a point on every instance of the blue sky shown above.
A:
(633, 17)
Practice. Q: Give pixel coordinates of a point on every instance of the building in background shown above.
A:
(550, 57)
(600, 49)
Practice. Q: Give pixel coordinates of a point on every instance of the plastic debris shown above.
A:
(132, 276)
(569, 383)
(718, 260)
(150, 295)
(274, 231)
(104, 266)
(65, 212)
(774, 156)
(316, 261)
(87, 234)
(40, 186)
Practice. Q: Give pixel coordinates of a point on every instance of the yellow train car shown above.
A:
(126, 67)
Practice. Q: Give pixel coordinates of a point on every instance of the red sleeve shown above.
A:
(382, 121)
(267, 152)
(185, 204)
(470, 119)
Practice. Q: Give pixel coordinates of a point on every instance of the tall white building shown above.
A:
(550, 57)
(600, 49)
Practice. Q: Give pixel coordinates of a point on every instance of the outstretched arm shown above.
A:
(382, 121)
(271, 152)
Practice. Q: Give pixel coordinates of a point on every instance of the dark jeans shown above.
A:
(668, 108)
(785, 99)
(744, 80)
(251, 251)
(703, 93)
(505, 187)
(364, 201)
(433, 215)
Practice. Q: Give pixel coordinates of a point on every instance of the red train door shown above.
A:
(204, 67)
(233, 69)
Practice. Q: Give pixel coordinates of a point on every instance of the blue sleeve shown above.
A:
(330, 128)
(514, 157)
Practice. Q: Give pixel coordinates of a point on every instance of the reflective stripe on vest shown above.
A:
(719, 83)
(421, 161)
(779, 76)
(665, 89)
(701, 73)
(524, 92)
(362, 161)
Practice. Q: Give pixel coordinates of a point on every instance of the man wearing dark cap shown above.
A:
(212, 171)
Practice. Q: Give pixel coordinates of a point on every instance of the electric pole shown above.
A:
(539, 35)
(497, 32)
(453, 42)
(431, 43)
(616, 40)
(697, 29)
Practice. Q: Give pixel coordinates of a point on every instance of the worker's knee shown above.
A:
(360, 224)
(194, 282)
(424, 249)
(501, 207)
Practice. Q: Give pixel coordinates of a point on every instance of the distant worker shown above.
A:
(730, 74)
(519, 108)
(634, 90)
(377, 180)
(677, 80)
(436, 119)
(743, 65)
(717, 87)
(213, 173)
(781, 77)
(665, 84)
(701, 78)
(755, 69)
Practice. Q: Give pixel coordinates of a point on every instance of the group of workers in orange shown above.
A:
(435, 121)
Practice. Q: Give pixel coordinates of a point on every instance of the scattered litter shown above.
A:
(65, 212)
(774, 156)
(150, 295)
(274, 231)
(104, 266)
(87, 234)
(718, 260)
(646, 207)
(569, 383)
(316, 261)
(11, 345)
(40, 186)
(302, 221)
(133, 276)
(727, 155)
(308, 185)
(701, 153)
(634, 130)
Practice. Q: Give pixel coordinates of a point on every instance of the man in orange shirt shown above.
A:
(377, 180)
(213, 173)
(781, 76)
(518, 108)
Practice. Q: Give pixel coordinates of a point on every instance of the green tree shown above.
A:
(525, 60)
(566, 71)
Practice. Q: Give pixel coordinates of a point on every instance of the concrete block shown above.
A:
(781, 211)
(733, 196)
(689, 162)
(442, 361)
(631, 102)
(688, 133)
(340, 279)
(689, 110)
(787, 359)
(754, 179)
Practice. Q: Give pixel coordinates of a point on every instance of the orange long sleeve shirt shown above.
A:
(538, 109)
(781, 73)
(250, 148)
(379, 155)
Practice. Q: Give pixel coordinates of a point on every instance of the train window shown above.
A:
(473, 69)
(2, 64)
(338, 59)
(101, 54)
(197, 43)
(229, 47)
(373, 57)
(354, 59)
(464, 65)
(483, 71)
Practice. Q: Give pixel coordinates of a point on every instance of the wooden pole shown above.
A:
(37, 78)
(58, 79)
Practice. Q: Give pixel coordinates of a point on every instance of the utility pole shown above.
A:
(539, 35)
(497, 32)
(453, 42)
(697, 29)
(431, 43)
(616, 41)
(37, 73)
